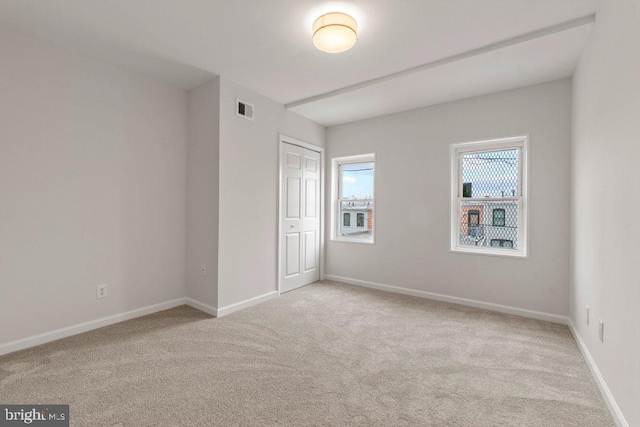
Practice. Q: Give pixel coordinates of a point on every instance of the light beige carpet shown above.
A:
(326, 354)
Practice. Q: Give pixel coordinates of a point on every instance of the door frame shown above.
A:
(283, 139)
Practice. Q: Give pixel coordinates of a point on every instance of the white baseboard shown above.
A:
(57, 334)
(228, 309)
(602, 385)
(201, 306)
(540, 315)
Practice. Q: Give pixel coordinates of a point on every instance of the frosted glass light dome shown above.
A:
(335, 32)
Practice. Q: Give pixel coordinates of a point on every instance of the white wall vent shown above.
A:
(244, 109)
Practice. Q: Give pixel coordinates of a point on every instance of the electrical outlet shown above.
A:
(587, 313)
(101, 291)
(601, 330)
(203, 270)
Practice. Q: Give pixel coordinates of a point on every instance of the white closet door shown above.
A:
(300, 217)
(311, 218)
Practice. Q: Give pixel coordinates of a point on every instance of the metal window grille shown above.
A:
(489, 200)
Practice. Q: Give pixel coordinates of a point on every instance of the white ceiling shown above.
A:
(265, 45)
(543, 59)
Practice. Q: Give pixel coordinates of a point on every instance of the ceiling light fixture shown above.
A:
(335, 32)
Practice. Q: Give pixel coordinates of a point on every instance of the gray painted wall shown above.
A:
(203, 107)
(249, 168)
(93, 185)
(412, 199)
(605, 206)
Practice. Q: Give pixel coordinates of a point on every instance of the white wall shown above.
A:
(202, 191)
(605, 208)
(412, 199)
(249, 191)
(92, 185)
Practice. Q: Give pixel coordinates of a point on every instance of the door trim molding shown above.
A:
(299, 143)
(284, 139)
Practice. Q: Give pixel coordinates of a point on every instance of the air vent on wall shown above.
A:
(244, 109)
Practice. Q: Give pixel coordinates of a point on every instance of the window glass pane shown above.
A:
(490, 174)
(346, 221)
(477, 227)
(357, 181)
(362, 228)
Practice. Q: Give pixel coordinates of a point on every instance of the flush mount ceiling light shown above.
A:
(335, 32)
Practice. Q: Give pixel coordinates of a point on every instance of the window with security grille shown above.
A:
(488, 197)
(353, 199)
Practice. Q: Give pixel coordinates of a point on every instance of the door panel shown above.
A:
(292, 195)
(310, 198)
(294, 160)
(300, 225)
(310, 251)
(311, 164)
(292, 251)
(311, 222)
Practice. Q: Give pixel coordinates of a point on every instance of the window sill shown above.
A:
(491, 252)
(352, 240)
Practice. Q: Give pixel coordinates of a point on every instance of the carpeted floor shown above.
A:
(326, 354)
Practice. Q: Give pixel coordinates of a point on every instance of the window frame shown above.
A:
(456, 151)
(336, 192)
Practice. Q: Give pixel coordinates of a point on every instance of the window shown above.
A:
(353, 194)
(473, 221)
(501, 243)
(499, 217)
(489, 197)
